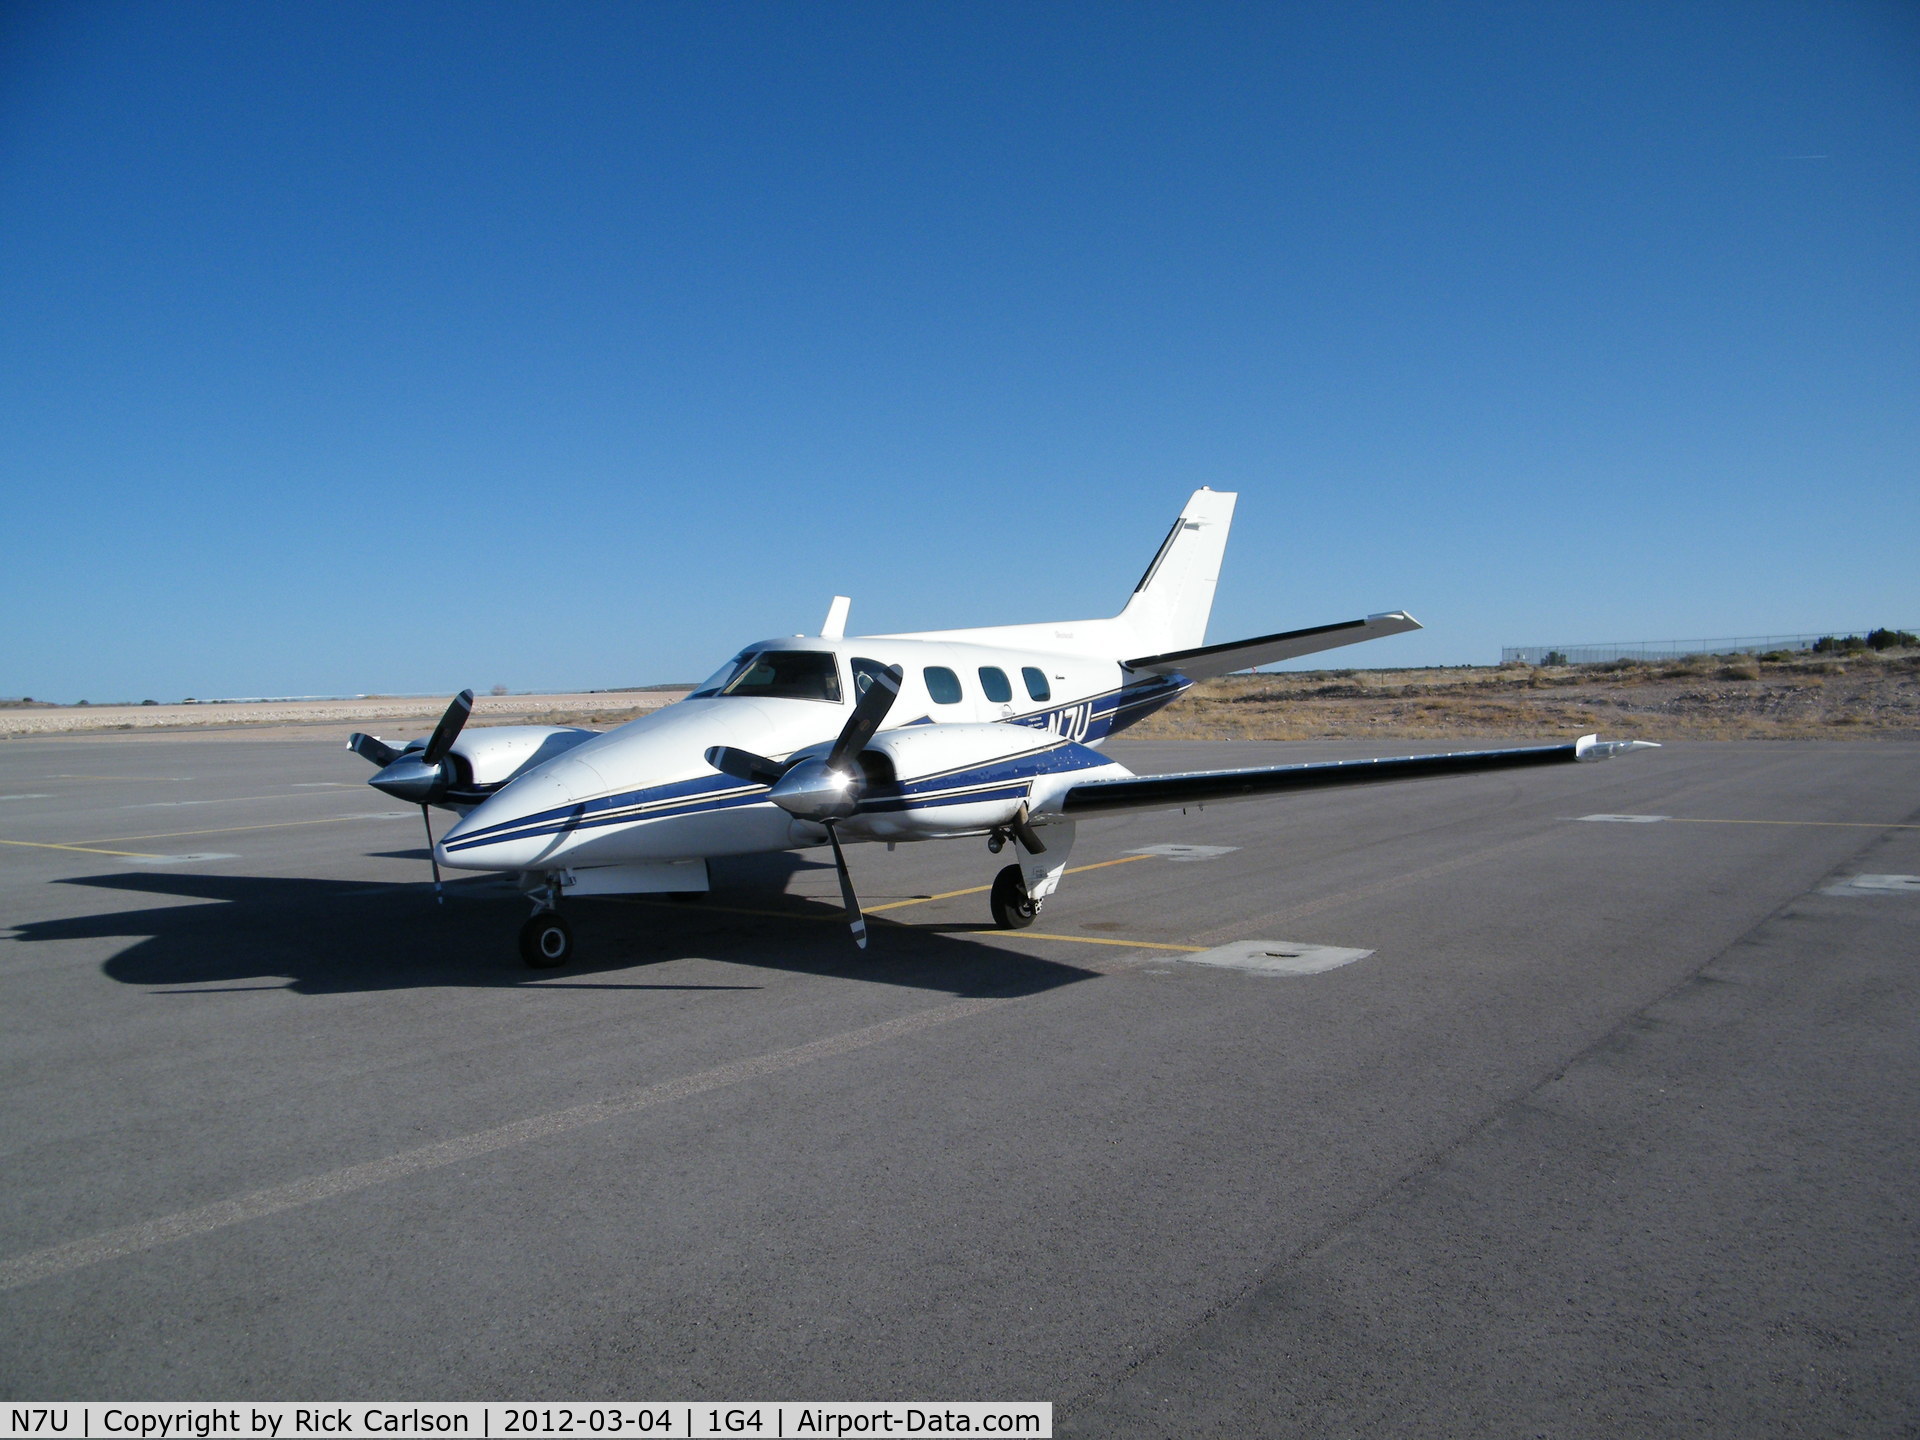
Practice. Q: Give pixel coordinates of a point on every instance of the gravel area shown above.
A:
(400, 714)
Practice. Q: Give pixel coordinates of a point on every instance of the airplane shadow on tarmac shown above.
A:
(329, 936)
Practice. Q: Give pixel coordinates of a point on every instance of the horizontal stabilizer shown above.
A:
(1206, 661)
(1163, 792)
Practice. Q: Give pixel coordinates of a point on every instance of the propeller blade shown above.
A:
(448, 730)
(867, 715)
(856, 920)
(426, 818)
(745, 765)
(372, 747)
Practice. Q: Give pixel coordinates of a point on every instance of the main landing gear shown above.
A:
(546, 940)
(1020, 890)
(1013, 907)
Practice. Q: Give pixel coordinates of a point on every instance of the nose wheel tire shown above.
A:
(1013, 908)
(546, 941)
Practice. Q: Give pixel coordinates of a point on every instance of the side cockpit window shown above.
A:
(785, 675)
(1036, 679)
(942, 685)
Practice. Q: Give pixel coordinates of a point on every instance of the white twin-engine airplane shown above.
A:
(823, 739)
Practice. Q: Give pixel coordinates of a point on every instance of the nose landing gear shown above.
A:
(546, 940)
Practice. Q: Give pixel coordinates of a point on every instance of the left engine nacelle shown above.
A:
(484, 759)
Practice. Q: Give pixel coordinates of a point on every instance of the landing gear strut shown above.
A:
(1013, 907)
(546, 940)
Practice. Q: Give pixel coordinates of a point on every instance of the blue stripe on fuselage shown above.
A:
(995, 780)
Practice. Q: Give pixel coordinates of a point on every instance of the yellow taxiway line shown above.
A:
(95, 847)
(1105, 940)
(84, 849)
(927, 900)
(982, 889)
(231, 829)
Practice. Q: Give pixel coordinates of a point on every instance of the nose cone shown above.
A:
(528, 825)
(409, 779)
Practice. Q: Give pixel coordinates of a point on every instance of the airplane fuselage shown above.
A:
(646, 792)
(821, 740)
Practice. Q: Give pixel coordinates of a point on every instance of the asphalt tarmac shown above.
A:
(1614, 1131)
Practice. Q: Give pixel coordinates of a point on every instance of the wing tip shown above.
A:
(1592, 747)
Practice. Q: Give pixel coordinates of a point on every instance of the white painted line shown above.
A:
(183, 859)
(1875, 885)
(1277, 957)
(1628, 819)
(186, 1224)
(1186, 852)
(26, 797)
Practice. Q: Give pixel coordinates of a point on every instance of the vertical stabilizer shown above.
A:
(1171, 603)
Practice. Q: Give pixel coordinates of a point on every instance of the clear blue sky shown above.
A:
(404, 347)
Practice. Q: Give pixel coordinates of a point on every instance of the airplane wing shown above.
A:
(1206, 661)
(1163, 792)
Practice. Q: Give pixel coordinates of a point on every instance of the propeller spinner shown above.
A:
(419, 777)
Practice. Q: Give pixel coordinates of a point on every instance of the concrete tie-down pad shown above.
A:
(1277, 957)
(1186, 852)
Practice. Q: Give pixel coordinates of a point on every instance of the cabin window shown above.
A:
(1036, 680)
(787, 675)
(993, 682)
(943, 685)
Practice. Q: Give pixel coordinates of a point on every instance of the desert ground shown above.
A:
(1873, 695)
(1870, 695)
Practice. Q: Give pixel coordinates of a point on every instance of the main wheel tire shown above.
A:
(546, 941)
(1013, 908)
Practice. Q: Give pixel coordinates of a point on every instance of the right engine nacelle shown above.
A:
(925, 782)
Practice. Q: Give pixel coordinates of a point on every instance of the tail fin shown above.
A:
(1171, 603)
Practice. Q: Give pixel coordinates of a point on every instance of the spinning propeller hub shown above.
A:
(814, 790)
(411, 779)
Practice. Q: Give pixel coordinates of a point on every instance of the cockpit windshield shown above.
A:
(776, 675)
(711, 685)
